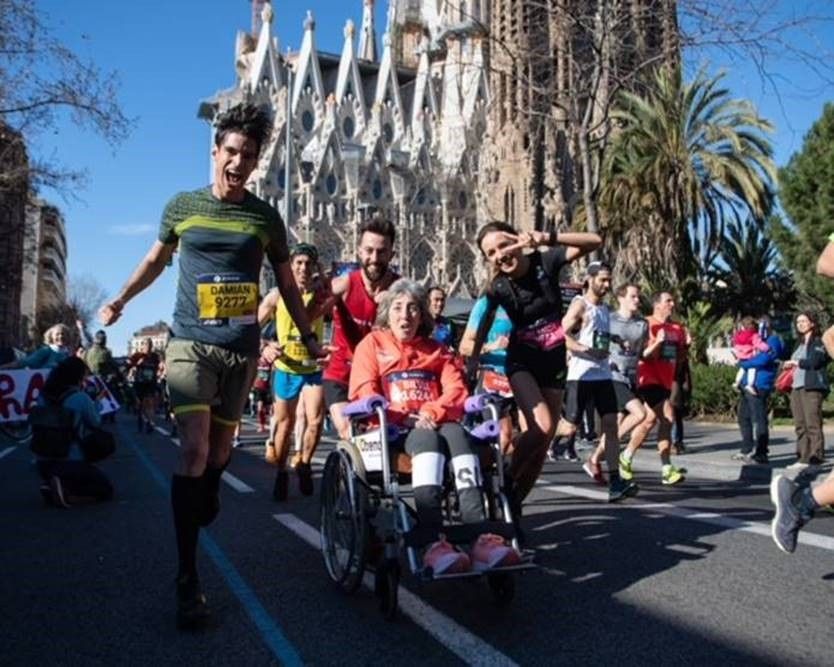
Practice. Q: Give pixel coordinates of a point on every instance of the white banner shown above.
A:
(19, 391)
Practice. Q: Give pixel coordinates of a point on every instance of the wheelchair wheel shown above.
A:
(344, 522)
(386, 586)
(502, 585)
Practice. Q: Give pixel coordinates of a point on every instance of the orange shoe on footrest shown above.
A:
(491, 551)
(443, 558)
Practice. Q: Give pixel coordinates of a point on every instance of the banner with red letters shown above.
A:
(19, 391)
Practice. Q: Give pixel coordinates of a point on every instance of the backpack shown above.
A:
(53, 428)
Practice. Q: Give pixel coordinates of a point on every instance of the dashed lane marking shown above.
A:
(692, 514)
(457, 639)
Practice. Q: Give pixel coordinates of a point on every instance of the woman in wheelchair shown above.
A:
(426, 391)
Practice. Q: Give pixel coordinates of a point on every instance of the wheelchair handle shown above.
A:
(487, 430)
(479, 402)
(364, 407)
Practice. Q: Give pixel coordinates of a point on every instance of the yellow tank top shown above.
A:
(296, 357)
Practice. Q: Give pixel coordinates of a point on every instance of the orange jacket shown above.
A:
(419, 376)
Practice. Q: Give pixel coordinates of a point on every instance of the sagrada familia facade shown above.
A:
(461, 115)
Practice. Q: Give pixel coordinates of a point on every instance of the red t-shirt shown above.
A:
(659, 369)
(346, 335)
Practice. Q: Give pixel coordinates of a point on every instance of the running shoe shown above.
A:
(594, 471)
(305, 479)
(787, 519)
(621, 488)
(443, 558)
(678, 448)
(282, 486)
(59, 499)
(269, 455)
(570, 454)
(626, 471)
(671, 475)
(491, 551)
(192, 607)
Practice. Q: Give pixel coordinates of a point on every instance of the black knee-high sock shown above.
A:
(211, 481)
(187, 500)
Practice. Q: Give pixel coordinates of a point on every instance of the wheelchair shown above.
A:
(366, 520)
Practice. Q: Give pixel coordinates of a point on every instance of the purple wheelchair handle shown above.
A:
(364, 407)
(478, 402)
(487, 430)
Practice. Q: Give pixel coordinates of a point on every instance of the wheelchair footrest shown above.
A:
(465, 533)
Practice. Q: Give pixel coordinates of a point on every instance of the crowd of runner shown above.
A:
(558, 361)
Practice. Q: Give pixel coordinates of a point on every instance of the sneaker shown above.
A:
(594, 471)
(621, 488)
(192, 608)
(671, 475)
(443, 558)
(305, 479)
(786, 520)
(745, 457)
(678, 448)
(58, 497)
(570, 455)
(761, 459)
(269, 455)
(282, 486)
(626, 471)
(491, 551)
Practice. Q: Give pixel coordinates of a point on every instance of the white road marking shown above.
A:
(7, 451)
(457, 639)
(237, 484)
(723, 520)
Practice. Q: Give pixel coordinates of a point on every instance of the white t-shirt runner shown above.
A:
(595, 334)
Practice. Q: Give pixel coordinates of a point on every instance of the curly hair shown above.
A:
(414, 290)
(244, 119)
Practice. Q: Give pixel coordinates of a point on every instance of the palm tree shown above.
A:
(685, 158)
(747, 277)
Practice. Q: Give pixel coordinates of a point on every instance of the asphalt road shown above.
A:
(685, 575)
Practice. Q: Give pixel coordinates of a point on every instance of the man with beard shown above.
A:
(222, 233)
(588, 337)
(666, 345)
(356, 296)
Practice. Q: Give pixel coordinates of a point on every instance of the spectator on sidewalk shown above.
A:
(810, 387)
(56, 347)
(754, 407)
(70, 479)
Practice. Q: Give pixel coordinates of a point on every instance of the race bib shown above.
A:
(495, 383)
(296, 352)
(147, 374)
(543, 334)
(602, 341)
(408, 390)
(226, 298)
(669, 351)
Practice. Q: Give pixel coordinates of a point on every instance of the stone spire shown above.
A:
(257, 16)
(367, 40)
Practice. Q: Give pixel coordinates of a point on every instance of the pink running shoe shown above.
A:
(594, 471)
(492, 550)
(443, 558)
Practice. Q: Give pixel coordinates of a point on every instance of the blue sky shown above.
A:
(169, 55)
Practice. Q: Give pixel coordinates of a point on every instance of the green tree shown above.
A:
(747, 277)
(686, 158)
(807, 196)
